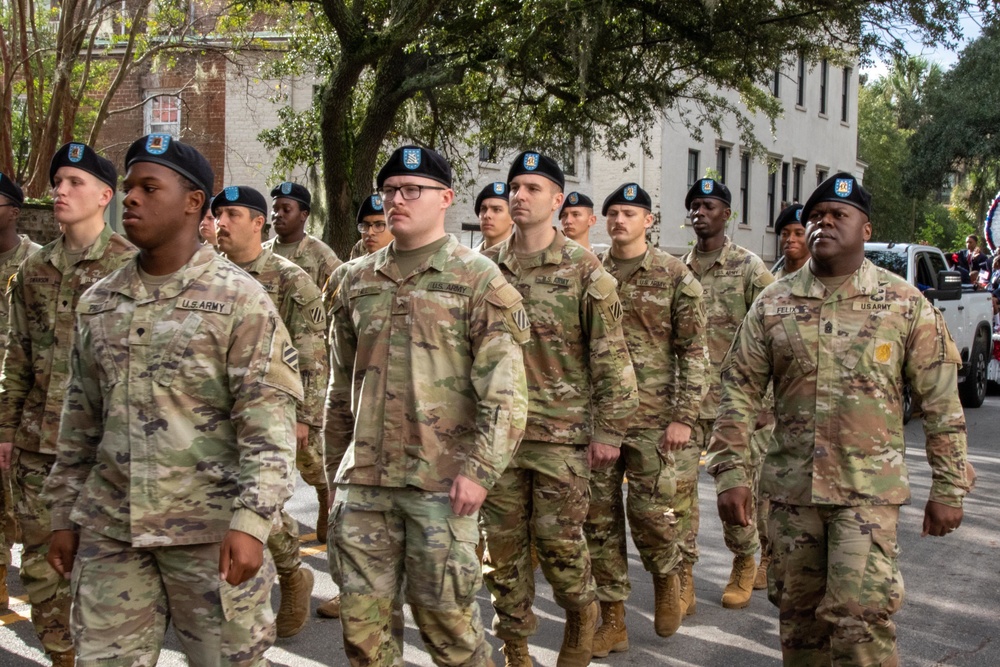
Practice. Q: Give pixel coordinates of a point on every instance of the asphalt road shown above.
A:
(949, 616)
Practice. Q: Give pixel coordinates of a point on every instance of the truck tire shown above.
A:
(972, 391)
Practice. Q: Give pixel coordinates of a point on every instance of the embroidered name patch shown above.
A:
(207, 306)
(464, 290)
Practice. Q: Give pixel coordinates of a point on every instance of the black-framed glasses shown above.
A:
(409, 191)
(377, 227)
(11, 205)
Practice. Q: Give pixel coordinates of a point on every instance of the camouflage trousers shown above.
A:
(545, 492)
(382, 537)
(8, 520)
(746, 540)
(836, 583)
(47, 591)
(309, 461)
(651, 486)
(123, 598)
(687, 462)
(283, 543)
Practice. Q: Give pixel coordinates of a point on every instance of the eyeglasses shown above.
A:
(11, 205)
(376, 227)
(409, 192)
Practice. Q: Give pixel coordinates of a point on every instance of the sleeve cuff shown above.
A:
(730, 479)
(249, 522)
(606, 437)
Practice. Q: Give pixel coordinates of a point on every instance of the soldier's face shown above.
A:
(793, 242)
(533, 200)
(628, 224)
(414, 218)
(207, 228)
(156, 203)
(8, 214)
(708, 217)
(78, 195)
(576, 221)
(287, 216)
(238, 229)
(494, 219)
(372, 239)
(835, 229)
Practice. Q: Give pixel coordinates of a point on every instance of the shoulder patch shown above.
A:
(290, 356)
(505, 296)
(691, 287)
(602, 285)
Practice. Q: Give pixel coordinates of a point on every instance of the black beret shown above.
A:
(629, 194)
(840, 187)
(371, 206)
(530, 162)
(240, 195)
(576, 200)
(496, 190)
(416, 161)
(708, 188)
(11, 190)
(790, 215)
(82, 156)
(290, 190)
(164, 150)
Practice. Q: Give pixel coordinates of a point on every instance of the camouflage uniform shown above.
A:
(431, 365)
(358, 250)
(576, 357)
(179, 427)
(836, 473)
(8, 521)
(731, 285)
(43, 296)
(313, 256)
(300, 306)
(664, 327)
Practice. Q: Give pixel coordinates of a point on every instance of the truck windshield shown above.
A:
(889, 260)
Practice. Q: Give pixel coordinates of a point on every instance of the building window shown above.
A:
(692, 167)
(162, 114)
(844, 97)
(797, 182)
(569, 162)
(800, 94)
(722, 162)
(776, 82)
(824, 77)
(772, 191)
(744, 186)
(821, 175)
(784, 184)
(486, 154)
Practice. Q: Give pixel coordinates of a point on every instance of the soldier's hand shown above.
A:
(676, 436)
(466, 496)
(940, 519)
(601, 456)
(734, 506)
(301, 435)
(62, 551)
(6, 451)
(240, 557)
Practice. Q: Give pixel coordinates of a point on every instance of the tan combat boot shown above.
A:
(62, 659)
(667, 596)
(330, 608)
(611, 637)
(4, 595)
(296, 591)
(760, 581)
(740, 586)
(324, 515)
(515, 653)
(689, 602)
(578, 637)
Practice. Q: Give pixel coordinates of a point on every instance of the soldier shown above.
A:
(493, 209)
(290, 207)
(577, 357)
(792, 240)
(731, 277)
(425, 349)
(207, 230)
(577, 217)
(13, 250)
(43, 296)
(175, 449)
(239, 211)
(839, 338)
(664, 327)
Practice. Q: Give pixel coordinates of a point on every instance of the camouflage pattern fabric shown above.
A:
(836, 582)
(313, 256)
(382, 532)
(581, 383)
(358, 250)
(687, 463)
(544, 494)
(43, 296)
(212, 378)
(123, 598)
(651, 488)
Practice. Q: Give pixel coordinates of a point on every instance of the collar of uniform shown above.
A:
(862, 282)
(127, 281)
(692, 256)
(646, 264)
(437, 261)
(551, 255)
(257, 265)
(56, 252)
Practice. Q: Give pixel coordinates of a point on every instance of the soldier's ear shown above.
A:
(867, 231)
(194, 201)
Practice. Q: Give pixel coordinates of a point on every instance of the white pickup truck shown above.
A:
(967, 313)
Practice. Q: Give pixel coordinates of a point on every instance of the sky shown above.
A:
(971, 27)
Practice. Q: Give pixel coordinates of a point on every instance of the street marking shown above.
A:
(13, 616)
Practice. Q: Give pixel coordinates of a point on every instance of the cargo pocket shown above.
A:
(882, 585)
(462, 571)
(250, 595)
(666, 478)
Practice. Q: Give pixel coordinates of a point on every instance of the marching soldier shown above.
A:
(493, 210)
(577, 217)
(291, 204)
